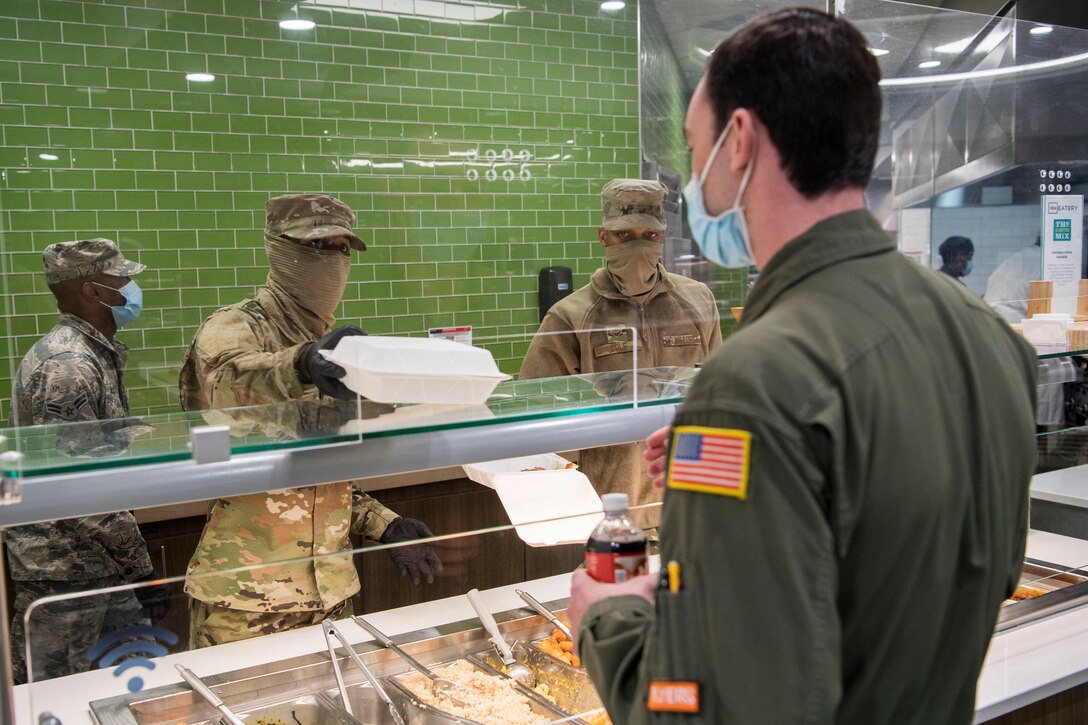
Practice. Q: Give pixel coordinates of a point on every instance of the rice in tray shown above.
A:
(490, 700)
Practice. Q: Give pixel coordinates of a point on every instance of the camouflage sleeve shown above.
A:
(368, 517)
(231, 367)
(552, 355)
(68, 387)
(117, 538)
(67, 391)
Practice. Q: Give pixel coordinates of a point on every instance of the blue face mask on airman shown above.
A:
(134, 303)
(722, 239)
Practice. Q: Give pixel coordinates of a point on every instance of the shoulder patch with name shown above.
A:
(710, 460)
(673, 696)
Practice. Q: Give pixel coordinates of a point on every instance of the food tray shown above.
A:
(416, 369)
(308, 710)
(368, 707)
(1060, 589)
(418, 710)
(569, 687)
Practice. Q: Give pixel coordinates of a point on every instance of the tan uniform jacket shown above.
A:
(678, 325)
(244, 355)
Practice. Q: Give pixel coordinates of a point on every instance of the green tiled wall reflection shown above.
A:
(471, 138)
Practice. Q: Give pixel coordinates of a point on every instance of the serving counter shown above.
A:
(1030, 659)
(1024, 664)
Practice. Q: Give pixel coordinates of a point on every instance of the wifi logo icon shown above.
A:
(143, 647)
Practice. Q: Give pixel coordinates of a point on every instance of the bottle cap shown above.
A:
(614, 503)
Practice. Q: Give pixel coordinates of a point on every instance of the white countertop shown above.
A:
(1068, 486)
(1023, 664)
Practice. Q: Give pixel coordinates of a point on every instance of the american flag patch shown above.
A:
(710, 460)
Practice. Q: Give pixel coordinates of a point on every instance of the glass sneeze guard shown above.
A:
(74, 447)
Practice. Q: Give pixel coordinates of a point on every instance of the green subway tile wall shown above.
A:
(471, 138)
(664, 95)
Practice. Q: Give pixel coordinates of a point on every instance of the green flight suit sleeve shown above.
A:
(552, 355)
(748, 567)
(368, 517)
(228, 366)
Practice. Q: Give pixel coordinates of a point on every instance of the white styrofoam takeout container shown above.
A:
(485, 471)
(416, 369)
(549, 508)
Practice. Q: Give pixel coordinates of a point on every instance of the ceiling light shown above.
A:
(1042, 30)
(199, 77)
(704, 52)
(987, 73)
(47, 157)
(955, 47)
(297, 24)
(879, 51)
(929, 64)
(613, 5)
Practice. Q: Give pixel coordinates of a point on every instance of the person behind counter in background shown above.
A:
(818, 488)
(1007, 293)
(1007, 287)
(73, 376)
(266, 350)
(676, 319)
(957, 257)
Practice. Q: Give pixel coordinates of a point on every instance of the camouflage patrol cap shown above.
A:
(310, 216)
(71, 260)
(633, 204)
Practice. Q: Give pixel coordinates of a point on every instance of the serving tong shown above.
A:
(330, 630)
(543, 611)
(517, 671)
(210, 697)
(439, 685)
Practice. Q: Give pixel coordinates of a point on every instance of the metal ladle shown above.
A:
(517, 671)
(441, 686)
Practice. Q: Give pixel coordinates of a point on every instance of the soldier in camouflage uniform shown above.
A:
(676, 319)
(73, 376)
(261, 351)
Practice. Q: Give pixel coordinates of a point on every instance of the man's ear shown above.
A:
(743, 141)
(601, 234)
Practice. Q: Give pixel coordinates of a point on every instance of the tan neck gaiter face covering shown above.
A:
(633, 265)
(315, 279)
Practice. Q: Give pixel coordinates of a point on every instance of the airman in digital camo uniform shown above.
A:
(72, 376)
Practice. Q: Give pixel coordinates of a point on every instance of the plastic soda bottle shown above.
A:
(616, 550)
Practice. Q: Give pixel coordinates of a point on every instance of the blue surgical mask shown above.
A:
(722, 239)
(134, 303)
(969, 267)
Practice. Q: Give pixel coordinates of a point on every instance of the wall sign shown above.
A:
(1061, 239)
(457, 334)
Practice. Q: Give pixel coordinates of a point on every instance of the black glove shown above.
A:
(313, 369)
(154, 599)
(413, 561)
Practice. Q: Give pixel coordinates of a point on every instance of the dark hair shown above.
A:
(954, 247)
(810, 79)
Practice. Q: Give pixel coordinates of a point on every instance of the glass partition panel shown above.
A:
(251, 632)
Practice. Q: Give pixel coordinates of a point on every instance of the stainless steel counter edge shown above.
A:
(141, 486)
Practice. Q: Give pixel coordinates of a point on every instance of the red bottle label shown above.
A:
(616, 568)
